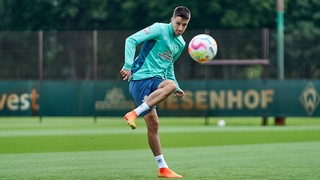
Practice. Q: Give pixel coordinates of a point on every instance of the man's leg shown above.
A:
(165, 89)
(152, 123)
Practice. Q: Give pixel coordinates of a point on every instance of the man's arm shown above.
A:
(170, 75)
(134, 40)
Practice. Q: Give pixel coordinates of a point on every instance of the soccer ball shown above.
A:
(202, 48)
(221, 123)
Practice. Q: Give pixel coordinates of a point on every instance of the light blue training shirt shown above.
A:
(160, 49)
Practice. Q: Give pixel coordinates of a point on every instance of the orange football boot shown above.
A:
(131, 117)
(167, 173)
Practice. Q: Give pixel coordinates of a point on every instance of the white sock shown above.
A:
(161, 162)
(142, 108)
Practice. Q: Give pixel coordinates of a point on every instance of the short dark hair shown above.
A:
(182, 12)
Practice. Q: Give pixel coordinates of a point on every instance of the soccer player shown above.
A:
(151, 75)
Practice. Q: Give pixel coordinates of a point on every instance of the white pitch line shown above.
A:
(164, 129)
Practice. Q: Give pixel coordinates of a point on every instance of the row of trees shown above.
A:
(132, 14)
(302, 22)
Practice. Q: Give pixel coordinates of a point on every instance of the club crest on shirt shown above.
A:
(147, 30)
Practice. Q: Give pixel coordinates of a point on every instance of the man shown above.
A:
(151, 75)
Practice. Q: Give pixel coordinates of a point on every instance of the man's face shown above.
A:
(179, 25)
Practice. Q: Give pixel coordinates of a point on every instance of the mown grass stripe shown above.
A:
(133, 140)
(285, 161)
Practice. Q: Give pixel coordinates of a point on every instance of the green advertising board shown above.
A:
(246, 98)
(17, 98)
(203, 98)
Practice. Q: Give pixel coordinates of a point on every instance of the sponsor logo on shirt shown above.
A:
(166, 55)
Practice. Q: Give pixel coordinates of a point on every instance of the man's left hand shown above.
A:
(179, 93)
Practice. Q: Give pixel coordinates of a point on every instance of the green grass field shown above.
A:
(78, 148)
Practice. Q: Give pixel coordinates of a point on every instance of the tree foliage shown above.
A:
(302, 37)
(131, 14)
(302, 21)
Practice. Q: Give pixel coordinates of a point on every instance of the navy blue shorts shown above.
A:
(140, 89)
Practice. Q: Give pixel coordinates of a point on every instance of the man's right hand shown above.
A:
(126, 74)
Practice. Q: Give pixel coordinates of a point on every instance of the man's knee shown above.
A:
(152, 122)
(169, 85)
